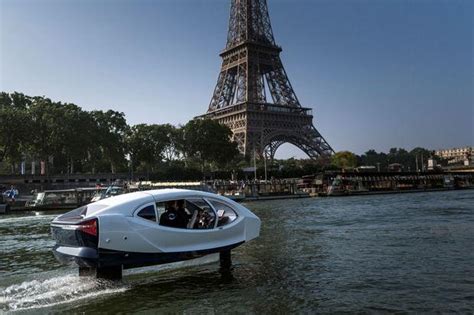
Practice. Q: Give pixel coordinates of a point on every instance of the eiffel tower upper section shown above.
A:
(251, 45)
(253, 95)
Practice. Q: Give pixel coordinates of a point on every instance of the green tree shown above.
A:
(209, 143)
(14, 127)
(77, 134)
(422, 155)
(174, 146)
(372, 158)
(344, 160)
(147, 144)
(109, 138)
(45, 129)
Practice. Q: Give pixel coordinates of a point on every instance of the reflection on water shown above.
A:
(394, 253)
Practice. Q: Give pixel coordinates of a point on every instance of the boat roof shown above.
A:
(168, 193)
(130, 201)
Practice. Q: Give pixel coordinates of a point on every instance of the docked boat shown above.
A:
(107, 192)
(150, 228)
(61, 199)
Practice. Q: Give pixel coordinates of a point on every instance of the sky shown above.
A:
(378, 74)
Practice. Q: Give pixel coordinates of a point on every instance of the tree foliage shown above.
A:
(208, 142)
(147, 145)
(13, 126)
(344, 160)
(70, 139)
(408, 159)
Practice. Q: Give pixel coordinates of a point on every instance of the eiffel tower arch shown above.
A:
(253, 95)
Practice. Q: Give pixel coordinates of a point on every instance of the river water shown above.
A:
(385, 253)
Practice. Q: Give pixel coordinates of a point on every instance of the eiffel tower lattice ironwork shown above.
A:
(253, 95)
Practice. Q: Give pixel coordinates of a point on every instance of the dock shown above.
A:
(370, 183)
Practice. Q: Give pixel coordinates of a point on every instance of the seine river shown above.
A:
(370, 254)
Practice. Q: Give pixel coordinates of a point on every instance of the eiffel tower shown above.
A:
(253, 95)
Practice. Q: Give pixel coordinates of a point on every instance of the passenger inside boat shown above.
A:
(173, 216)
(190, 214)
(194, 214)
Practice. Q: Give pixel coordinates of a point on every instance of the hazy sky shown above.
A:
(378, 74)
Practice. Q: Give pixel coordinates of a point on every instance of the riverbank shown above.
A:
(327, 184)
(389, 192)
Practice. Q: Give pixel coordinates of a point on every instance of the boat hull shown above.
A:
(103, 258)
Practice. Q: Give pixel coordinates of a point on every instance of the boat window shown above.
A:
(202, 215)
(189, 213)
(225, 214)
(148, 213)
(173, 213)
(160, 208)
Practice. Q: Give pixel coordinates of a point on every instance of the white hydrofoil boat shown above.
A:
(149, 228)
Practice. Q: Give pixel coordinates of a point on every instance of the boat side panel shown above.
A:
(139, 235)
(252, 228)
(118, 232)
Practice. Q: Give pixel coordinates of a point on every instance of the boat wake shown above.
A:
(30, 218)
(69, 288)
(66, 289)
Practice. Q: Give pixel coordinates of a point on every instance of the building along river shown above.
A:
(408, 253)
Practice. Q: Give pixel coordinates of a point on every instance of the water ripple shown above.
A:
(362, 254)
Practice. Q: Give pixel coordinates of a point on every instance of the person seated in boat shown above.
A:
(182, 210)
(173, 217)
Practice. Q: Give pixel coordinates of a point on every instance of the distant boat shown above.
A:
(62, 198)
(109, 191)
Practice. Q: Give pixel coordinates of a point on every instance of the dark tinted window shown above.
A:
(202, 215)
(148, 213)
